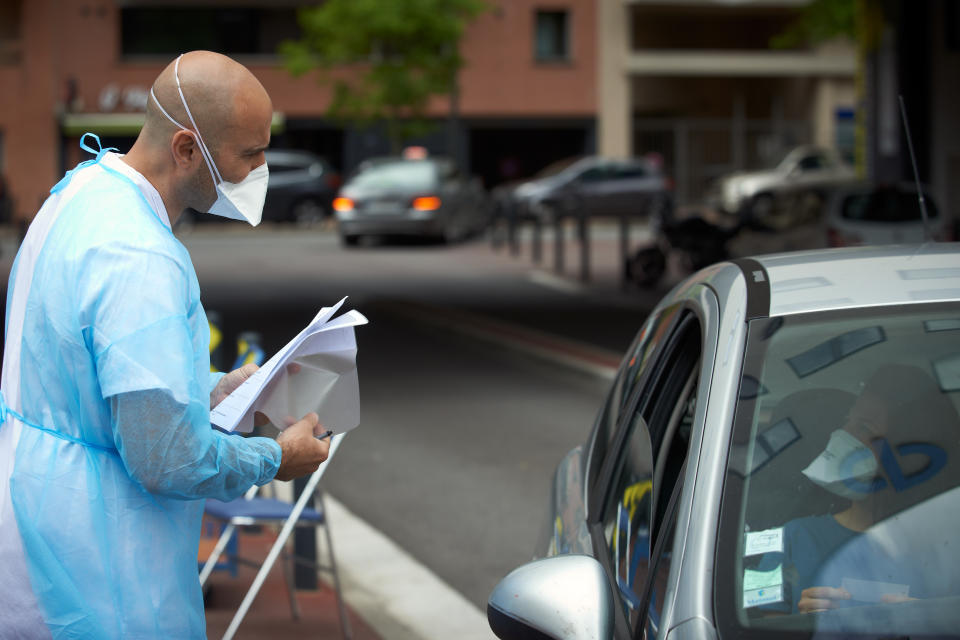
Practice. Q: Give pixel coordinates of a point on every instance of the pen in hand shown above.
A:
(324, 435)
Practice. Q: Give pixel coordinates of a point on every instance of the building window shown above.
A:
(552, 35)
(169, 30)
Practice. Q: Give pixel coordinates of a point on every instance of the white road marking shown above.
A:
(556, 283)
(396, 595)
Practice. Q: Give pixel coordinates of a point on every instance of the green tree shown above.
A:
(384, 59)
(819, 21)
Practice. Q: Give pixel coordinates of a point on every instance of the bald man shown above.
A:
(106, 448)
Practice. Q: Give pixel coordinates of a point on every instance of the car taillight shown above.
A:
(670, 184)
(836, 238)
(342, 204)
(426, 203)
(945, 234)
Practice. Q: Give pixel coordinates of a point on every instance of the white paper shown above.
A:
(325, 380)
(872, 591)
(769, 541)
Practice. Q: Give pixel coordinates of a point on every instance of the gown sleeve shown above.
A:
(150, 346)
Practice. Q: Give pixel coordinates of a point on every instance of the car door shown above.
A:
(631, 190)
(589, 192)
(634, 497)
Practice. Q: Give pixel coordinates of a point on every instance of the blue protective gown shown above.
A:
(106, 449)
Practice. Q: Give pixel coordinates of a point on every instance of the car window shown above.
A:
(628, 172)
(886, 205)
(557, 167)
(279, 167)
(596, 174)
(812, 162)
(638, 355)
(649, 467)
(407, 175)
(657, 581)
(842, 496)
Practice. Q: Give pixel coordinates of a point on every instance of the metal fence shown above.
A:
(698, 151)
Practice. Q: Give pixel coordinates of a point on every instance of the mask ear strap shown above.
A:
(203, 146)
(183, 128)
(164, 111)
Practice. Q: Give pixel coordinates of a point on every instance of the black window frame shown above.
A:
(669, 520)
(604, 436)
(239, 31)
(648, 397)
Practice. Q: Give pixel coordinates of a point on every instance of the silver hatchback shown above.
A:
(779, 455)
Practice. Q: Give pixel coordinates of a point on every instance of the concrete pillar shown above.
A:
(738, 132)
(614, 101)
(829, 95)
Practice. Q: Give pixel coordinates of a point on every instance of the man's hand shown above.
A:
(820, 598)
(302, 452)
(230, 382)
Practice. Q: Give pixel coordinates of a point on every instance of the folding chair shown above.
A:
(251, 510)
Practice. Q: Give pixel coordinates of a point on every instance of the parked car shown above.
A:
(779, 425)
(425, 197)
(804, 171)
(301, 188)
(857, 213)
(885, 214)
(595, 186)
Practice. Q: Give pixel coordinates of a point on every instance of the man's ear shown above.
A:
(184, 149)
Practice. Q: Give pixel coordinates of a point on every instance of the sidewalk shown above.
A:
(269, 615)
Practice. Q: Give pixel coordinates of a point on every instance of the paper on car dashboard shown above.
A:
(324, 380)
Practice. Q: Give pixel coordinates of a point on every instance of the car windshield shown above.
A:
(556, 167)
(841, 499)
(408, 175)
(886, 205)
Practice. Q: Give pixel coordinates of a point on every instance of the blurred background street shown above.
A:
(459, 434)
(506, 199)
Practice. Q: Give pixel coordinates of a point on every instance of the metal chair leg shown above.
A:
(344, 619)
(282, 538)
(287, 560)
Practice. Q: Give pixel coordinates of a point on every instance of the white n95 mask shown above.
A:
(235, 200)
(844, 461)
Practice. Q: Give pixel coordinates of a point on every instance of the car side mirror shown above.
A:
(563, 597)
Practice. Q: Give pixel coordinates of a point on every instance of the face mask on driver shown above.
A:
(843, 462)
(235, 200)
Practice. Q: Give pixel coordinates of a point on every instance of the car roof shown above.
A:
(828, 279)
(295, 155)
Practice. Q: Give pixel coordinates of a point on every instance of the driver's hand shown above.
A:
(821, 598)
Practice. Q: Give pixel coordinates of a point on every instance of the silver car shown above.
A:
(597, 187)
(804, 171)
(778, 456)
(426, 197)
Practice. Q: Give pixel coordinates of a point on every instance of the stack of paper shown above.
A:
(316, 371)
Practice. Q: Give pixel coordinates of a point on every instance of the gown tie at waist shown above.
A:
(6, 411)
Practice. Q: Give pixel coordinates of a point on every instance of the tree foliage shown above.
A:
(819, 21)
(384, 59)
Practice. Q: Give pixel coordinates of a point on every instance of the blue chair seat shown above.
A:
(259, 509)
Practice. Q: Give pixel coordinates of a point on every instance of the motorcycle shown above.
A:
(698, 242)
